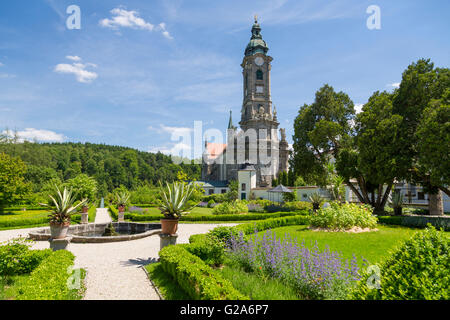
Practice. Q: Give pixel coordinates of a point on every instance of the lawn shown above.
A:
(372, 246)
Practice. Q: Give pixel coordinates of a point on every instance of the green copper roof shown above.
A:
(256, 44)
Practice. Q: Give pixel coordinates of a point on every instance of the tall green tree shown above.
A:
(13, 186)
(415, 101)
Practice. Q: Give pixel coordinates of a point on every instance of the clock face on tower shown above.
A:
(259, 61)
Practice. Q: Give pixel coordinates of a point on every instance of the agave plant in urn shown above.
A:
(174, 203)
(64, 208)
(122, 201)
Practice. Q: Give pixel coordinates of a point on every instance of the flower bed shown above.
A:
(314, 274)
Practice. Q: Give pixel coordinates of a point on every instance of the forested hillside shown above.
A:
(111, 166)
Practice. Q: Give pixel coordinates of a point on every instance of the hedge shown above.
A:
(223, 217)
(49, 280)
(416, 221)
(114, 212)
(195, 277)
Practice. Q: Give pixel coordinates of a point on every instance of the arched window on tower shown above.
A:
(259, 75)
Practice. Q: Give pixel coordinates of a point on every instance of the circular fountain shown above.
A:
(101, 232)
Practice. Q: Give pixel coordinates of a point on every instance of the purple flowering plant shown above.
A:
(314, 274)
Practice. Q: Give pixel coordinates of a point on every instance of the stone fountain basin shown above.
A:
(91, 233)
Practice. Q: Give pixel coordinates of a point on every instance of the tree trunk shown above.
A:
(435, 204)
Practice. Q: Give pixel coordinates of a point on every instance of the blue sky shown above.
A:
(138, 71)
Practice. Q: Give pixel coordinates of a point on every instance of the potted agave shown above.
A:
(122, 201)
(64, 208)
(316, 200)
(174, 204)
(396, 203)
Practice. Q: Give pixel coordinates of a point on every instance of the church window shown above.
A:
(259, 75)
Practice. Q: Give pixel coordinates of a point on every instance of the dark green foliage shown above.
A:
(16, 258)
(418, 270)
(49, 280)
(13, 187)
(110, 166)
(195, 277)
(290, 196)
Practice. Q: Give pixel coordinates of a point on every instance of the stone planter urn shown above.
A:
(121, 215)
(84, 216)
(59, 230)
(169, 226)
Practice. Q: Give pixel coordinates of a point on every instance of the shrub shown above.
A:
(274, 208)
(195, 277)
(235, 207)
(417, 270)
(262, 202)
(344, 217)
(16, 258)
(297, 205)
(253, 207)
(289, 196)
(217, 198)
(211, 203)
(209, 248)
(49, 280)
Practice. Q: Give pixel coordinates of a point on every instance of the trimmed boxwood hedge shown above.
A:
(223, 217)
(49, 280)
(195, 277)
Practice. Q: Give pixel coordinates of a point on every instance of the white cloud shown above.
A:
(178, 149)
(74, 58)
(31, 134)
(78, 69)
(394, 85)
(358, 107)
(1, 64)
(174, 131)
(130, 19)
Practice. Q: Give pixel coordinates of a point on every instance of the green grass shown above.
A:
(257, 287)
(167, 286)
(372, 246)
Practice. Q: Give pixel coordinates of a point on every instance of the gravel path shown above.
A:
(102, 216)
(114, 271)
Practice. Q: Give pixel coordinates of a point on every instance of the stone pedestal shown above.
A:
(167, 239)
(121, 217)
(60, 244)
(84, 218)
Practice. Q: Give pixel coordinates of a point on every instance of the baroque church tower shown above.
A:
(257, 143)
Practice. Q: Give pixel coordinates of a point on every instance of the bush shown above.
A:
(211, 203)
(274, 208)
(235, 207)
(195, 277)
(49, 280)
(217, 198)
(417, 270)
(289, 196)
(209, 248)
(297, 205)
(16, 258)
(344, 217)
